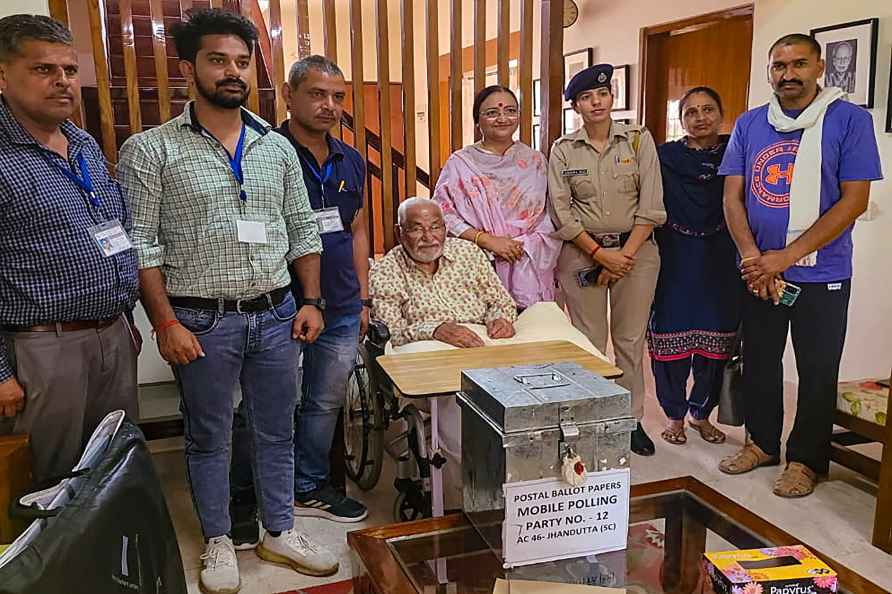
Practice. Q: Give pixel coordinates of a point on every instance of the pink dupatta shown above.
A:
(504, 195)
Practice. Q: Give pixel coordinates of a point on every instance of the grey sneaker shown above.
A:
(219, 574)
(297, 551)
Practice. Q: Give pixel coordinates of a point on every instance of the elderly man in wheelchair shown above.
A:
(430, 293)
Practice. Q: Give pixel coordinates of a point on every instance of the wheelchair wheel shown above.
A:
(404, 510)
(363, 439)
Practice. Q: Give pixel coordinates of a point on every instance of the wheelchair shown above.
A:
(372, 406)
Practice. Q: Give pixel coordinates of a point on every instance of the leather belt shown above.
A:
(73, 326)
(611, 240)
(261, 303)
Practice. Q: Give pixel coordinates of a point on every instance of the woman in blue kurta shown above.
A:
(695, 312)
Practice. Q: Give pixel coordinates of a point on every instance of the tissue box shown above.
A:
(781, 570)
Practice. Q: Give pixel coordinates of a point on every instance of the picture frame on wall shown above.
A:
(576, 62)
(537, 97)
(850, 54)
(619, 83)
(889, 103)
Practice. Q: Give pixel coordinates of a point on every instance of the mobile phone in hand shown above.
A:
(790, 293)
(588, 277)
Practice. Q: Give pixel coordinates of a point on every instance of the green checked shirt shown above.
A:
(186, 207)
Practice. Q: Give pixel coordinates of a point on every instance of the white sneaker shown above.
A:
(220, 572)
(297, 551)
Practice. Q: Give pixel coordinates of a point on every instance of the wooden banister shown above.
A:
(107, 121)
(408, 42)
(388, 212)
(455, 76)
(504, 35)
(159, 49)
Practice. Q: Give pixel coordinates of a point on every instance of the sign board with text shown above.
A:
(547, 519)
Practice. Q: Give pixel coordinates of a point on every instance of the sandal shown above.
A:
(675, 436)
(748, 458)
(797, 480)
(708, 431)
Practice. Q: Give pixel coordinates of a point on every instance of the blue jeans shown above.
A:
(256, 350)
(327, 365)
(326, 368)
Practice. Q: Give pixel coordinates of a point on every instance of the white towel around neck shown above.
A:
(805, 189)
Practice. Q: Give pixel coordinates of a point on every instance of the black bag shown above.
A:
(113, 536)
(731, 394)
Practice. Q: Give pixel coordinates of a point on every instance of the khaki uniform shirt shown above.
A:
(607, 192)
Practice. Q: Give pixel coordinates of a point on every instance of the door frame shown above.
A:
(683, 25)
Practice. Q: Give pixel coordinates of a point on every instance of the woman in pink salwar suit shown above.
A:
(493, 193)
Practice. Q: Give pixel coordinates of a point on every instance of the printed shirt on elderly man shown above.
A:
(413, 303)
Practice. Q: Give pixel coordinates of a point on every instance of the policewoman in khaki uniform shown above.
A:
(606, 197)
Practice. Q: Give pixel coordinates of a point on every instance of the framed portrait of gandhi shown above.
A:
(850, 55)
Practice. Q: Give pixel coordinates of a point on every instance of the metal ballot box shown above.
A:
(524, 423)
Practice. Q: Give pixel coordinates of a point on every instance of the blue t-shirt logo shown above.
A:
(773, 174)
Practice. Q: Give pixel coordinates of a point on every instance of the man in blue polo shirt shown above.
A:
(794, 235)
(334, 174)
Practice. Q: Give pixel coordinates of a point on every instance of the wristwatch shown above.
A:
(317, 303)
(366, 302)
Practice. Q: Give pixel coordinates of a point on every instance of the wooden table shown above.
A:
(397, 559)
(439, 372)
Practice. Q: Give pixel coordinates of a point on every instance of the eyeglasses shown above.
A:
(417, 231)
(510, 113)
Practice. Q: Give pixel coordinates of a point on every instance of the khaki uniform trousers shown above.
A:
(630, 301)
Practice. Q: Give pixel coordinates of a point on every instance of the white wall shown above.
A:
(869, 341)
(8, 7)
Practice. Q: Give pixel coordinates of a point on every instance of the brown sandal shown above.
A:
(708, 431)
(675, 436)
(797, 480)
(748, 458)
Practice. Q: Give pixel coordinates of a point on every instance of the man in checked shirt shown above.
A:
(220, 212)
(67, 268)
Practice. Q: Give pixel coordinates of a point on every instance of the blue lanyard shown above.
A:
(84, 182)
(322, 176)
(235, 163)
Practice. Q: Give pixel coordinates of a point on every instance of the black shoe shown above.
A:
(641, 443)
(245, 531)
(329, 504)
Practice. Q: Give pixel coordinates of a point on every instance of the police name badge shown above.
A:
(251, 231)
(111, 238)
(328, 220)
(573, 172)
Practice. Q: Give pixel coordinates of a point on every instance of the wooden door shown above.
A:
(714, 50)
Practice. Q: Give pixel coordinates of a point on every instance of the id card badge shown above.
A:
(111, 238)
(328, 220)
(251, 231)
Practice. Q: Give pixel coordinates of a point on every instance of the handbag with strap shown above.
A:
(731, 393)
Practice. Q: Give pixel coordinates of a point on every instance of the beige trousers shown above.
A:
(71, 381)
(630, 300)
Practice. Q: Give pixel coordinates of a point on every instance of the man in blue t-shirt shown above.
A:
(795, 231)
(334, 174)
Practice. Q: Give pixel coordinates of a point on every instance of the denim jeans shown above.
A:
(326, 366)
(255, 350)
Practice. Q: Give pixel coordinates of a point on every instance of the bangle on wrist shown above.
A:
(477, 237)
(595, 249)
(164, 326)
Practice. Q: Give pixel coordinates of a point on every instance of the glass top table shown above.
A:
(672, 523)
